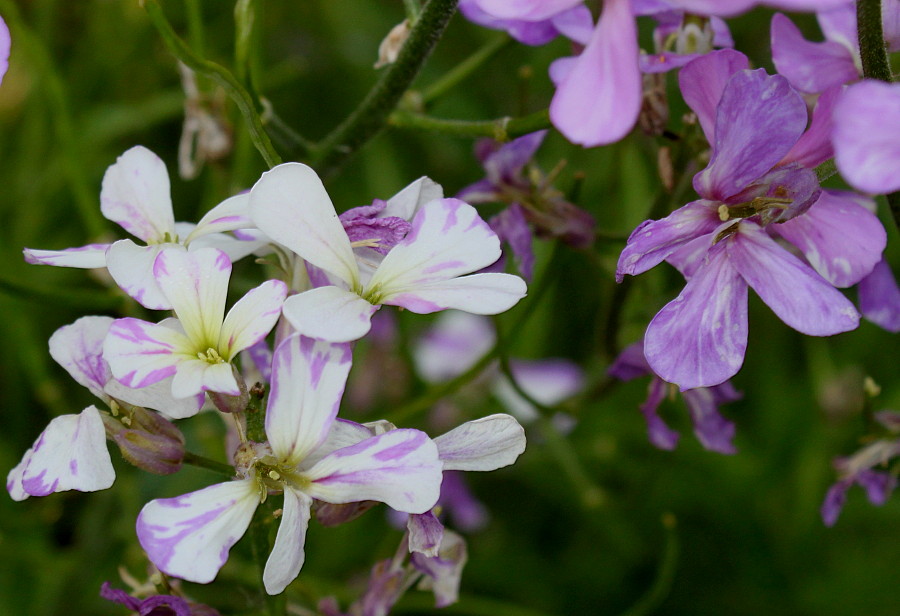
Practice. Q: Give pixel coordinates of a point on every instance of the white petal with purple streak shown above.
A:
(189, 536)
(79, 349)
(70, 454)
(252, 317)
(141, 353)
(485, 444)
(286, 559)
(308, 379)
(131, 266)
(400, 468)
(136, 195)
(329, 313)
(478, 293)
(85, 257)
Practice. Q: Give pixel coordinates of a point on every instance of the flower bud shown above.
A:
(148, 440)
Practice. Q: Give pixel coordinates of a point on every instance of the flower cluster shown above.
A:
(415, 251)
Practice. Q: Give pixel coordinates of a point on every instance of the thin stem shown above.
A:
(210, 465)
(55, 89)
(501, 129)
(221, 76)
(461, 71)
(371, 116)
(665, 574)
(591, 494)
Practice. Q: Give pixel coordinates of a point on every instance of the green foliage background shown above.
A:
(90, 79)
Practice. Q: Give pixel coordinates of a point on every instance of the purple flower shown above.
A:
(713, 431)
(156, 605)
(757, 181)
(511, 178)
(575, 23)
(879, 298)
(4, 48)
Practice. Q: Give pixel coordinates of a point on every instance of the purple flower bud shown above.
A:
(157, 605)
(148, 440)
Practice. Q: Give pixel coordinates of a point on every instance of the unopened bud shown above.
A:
(150, 441)
(392, 43)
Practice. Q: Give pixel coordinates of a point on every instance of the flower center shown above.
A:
(211, 356)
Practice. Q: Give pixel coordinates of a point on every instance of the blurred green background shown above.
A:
(742, 534)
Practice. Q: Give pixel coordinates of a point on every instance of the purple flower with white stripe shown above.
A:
(135, 195)
(197, 348)
(757, 183)
(424, 272)
(713, 431)
(309, 456)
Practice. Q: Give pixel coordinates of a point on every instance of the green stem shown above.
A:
(658, 592)
(872, 50)
(219, 75)
(44, 70)
(196, 33)
(413, 8)
(591, 494)
(873, 53)
(244, 20)
(210, 465)
(501, 129)
(371, 116)
(461, 71)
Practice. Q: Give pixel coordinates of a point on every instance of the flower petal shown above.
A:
(810, 67)
(814, 146)
(699, 338)
(654, 240)
(308, 379)
(800, 297)
(452, 345)
(189, 536)
(758, 119)
(70, 454)
(79, 349)
(425, 533)
(4, 48)
(141, 353)
(879, 297)
(527, 10)
(131, 266)
(400, 468)
(839, 236)
(196, 284)
(329, 313)
(287, 555)
(136, 195)
(290, 205)
(867, 136)
(158, 397)
(484, 444)
(599, 99)
(252, 317)
(85, 257)
(410, 199)
(478, 293)
(448, 238)
(230, 215)
(713, 431)
(194, 376)
(703, 80)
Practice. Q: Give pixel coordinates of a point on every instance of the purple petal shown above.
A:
(444, 572)
(730, 8)
(800, 297)
(526, 32)
(810, 67)
(878, 485)
(839, 236)
(814, 146)
(713, 431)
(530, 10)
(867, 136)
(700, 337)
(505, 165)
(119, 596)
(512, 228)
(189, 536)
(879, 297)
(425, 533)
(452, 345)
(703, 80)
(659, 434)
(630, 364)
(457, 500)
(654, 240)
(599, 100)
(839, 25)
(400, 468)
(5, 41)
(758, 119)
(834, 502)
(384, 233)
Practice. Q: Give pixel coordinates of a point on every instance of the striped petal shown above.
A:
(252, 317)
(131, 266)
(141, 353)
(189, 536)
(84, 257)
(490, 293)
(79, 349)
(485, 444)
(136, 195)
